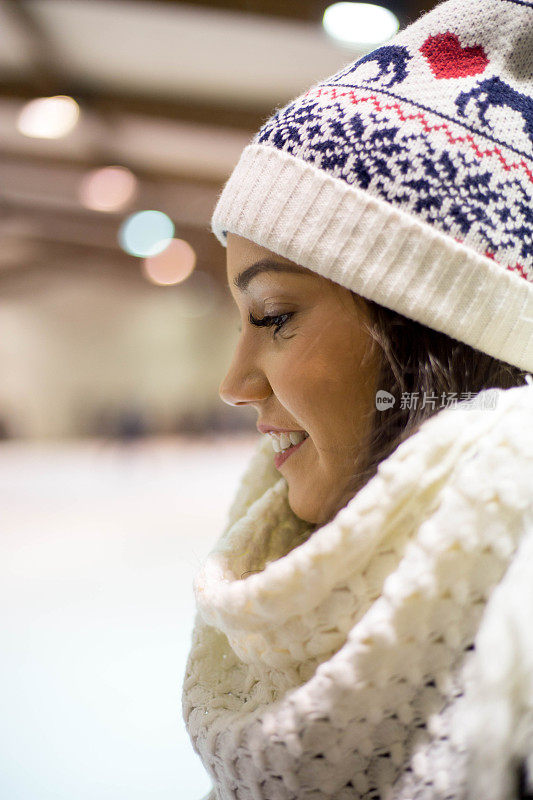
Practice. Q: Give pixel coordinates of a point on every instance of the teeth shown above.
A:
(296, 437)
(282, 441)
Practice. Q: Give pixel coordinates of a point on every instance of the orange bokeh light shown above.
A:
(173, 265)
(108, 188)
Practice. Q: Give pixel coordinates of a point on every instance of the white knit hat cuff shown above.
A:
(293, 208)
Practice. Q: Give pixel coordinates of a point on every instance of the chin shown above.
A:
(306, 509)
(309, 506)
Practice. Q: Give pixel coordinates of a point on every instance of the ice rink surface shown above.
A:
(98, 546)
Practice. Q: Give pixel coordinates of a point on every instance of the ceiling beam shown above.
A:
(306, 10)
(79, 242)
(46, 70)
(212, 114)
(289, 9)
(82, 165)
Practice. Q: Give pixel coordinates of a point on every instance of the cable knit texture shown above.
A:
(389, 653)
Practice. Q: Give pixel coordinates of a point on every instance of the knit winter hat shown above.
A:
(407, 176)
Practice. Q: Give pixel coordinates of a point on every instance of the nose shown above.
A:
(245, 382)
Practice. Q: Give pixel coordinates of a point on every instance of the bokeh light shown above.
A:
(171, 266)
(108, 188)
(360, 24)
(48, 117)
(146, 233)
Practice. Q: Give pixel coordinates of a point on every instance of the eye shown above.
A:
(277, 321)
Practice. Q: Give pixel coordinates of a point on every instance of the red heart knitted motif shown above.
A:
(448, 59)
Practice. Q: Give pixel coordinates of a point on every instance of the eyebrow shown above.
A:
(265, 265)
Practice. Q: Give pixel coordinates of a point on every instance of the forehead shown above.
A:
(241, 252)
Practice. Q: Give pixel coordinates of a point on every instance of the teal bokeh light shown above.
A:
(146, 233)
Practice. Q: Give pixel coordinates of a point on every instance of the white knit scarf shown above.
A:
(361, 659)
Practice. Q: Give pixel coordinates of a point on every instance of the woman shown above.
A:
(363, 625)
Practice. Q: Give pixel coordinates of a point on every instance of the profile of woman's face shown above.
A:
(309, 369)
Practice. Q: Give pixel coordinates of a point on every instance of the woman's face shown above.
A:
(312, 370)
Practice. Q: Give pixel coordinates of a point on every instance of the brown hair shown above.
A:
(416, 358)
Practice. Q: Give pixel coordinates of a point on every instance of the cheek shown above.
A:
(314, 394)
(321, 381)
(293, 388)
(334, 403)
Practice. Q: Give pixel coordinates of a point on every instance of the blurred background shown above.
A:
(120, 121)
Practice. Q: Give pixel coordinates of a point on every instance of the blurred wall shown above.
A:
(78, 353)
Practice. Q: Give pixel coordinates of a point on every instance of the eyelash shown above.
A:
(268, 321)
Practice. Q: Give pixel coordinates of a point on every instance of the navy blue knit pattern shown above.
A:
(428, 127)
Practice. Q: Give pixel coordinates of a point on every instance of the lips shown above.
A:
(264, 428)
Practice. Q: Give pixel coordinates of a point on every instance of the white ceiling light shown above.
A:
(48, 117)
(360, 24)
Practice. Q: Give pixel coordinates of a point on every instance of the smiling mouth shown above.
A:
(283, 454)
(287, 439)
